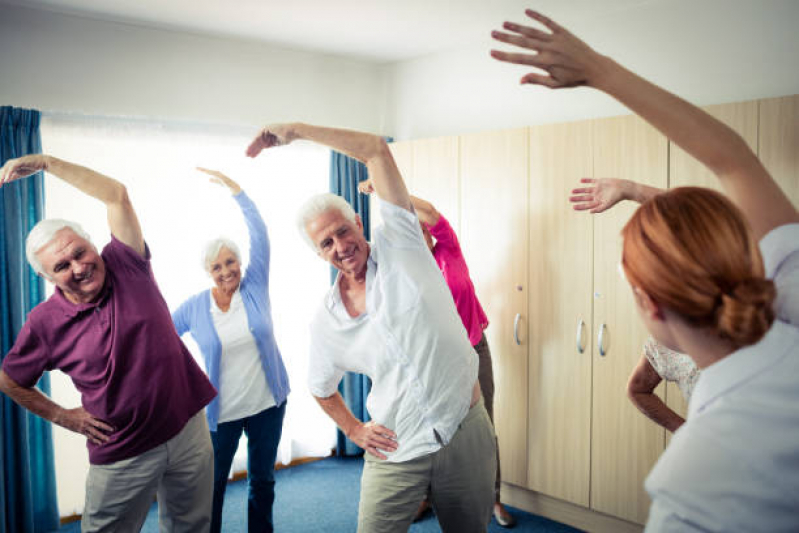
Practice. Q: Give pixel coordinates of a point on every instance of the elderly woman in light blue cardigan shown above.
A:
(232, 324)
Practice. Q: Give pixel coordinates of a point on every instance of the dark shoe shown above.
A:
(423, 510)
(503, 517)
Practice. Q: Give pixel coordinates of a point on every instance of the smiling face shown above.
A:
(73, 265)
(226, 271)
(339, 241)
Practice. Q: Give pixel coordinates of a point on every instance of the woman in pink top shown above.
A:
(446, 249)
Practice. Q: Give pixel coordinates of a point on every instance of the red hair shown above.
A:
(691, 250)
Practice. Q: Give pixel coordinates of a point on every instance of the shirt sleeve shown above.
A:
(400, 227)
(444, 234)
(258, 265)
(663, 519)
(123, 258)
(28, 359)
(180, 317)
(651, 352)
(323, 374)
(780, 251)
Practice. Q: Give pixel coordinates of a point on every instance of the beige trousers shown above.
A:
(180, 472)
(461, 475)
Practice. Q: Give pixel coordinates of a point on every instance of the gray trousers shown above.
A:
(461, 477)
(179, 472)
(485, 376)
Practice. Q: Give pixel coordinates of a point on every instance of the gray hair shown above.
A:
(43, 233)
(318, 204)
(215, 246)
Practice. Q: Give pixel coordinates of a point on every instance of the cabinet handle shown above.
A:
(516, 329)
(580, 326)
(602, 329)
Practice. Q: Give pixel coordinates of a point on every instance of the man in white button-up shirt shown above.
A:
(390, 315)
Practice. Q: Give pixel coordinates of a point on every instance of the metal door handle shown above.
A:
(516, 329)
(580, 326)
(601, 338)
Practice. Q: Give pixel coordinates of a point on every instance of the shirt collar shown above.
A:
(740, 366)
(71, 309)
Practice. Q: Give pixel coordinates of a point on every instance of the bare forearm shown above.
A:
(337, 410)
(368, 148)
(426, 212)
(105, 189)
(653, 407)
(638, 192)
(31, 399)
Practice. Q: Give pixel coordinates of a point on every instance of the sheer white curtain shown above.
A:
(180, 210)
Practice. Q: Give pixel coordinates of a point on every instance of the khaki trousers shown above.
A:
(180, 472)
(461, 475)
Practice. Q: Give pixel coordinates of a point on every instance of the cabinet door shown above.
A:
(685, 170)
(559, 303)
(625, 444)
(436, 176)
(779, 142)
(494, 239)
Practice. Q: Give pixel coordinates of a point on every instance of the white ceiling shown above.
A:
(374, 30)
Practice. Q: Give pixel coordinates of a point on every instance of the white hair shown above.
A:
(318, 204)
(43, 233)
(213, 248)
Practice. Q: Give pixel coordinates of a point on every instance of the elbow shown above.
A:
(377, 148)
(119, 195)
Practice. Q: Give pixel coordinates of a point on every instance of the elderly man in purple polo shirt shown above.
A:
(108, 327)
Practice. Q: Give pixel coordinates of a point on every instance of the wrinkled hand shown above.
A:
(22, 167)
(373, 437)
(271, 136)
(366, 186)
(220, 179)
(604, 194)
(567, 60)
(80, 421)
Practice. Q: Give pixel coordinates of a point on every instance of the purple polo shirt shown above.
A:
(123, 355)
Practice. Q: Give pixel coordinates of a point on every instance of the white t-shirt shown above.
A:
(734, 464)
(410, 341)
(243, 390)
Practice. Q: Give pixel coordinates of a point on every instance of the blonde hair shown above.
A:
(691, 250)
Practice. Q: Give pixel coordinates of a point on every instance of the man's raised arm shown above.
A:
(372, 150)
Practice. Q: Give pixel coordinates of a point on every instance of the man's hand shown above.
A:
(79, 421)
(271, 136)
(373, 437)
(604, 194)
(366, 186)
(22, 167)
(567, 61)
(220, 179)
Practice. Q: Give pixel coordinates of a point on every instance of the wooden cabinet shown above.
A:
(493, 236)
(436, 176)
(560, 311)
(778, 142)
(624, 444)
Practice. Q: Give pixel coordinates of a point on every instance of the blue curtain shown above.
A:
(27, 489)
(345, 174)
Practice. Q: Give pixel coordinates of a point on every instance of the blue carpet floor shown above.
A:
(322, 497)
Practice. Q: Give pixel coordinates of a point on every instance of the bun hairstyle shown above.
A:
(691, 250)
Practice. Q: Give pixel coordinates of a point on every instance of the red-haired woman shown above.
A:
(705, 271)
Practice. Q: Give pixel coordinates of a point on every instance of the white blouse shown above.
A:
(672, 366)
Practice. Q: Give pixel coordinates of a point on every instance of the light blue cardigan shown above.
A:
(194, 315)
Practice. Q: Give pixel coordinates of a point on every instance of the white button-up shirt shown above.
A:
(410, 341)
(734, 464)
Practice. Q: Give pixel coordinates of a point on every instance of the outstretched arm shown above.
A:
(77, 420)
(569, 62)
(604, 193)
(370, 149)
(426, 211)
(122, 220)
(369, 436)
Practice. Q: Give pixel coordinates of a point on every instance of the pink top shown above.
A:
(448, 255)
